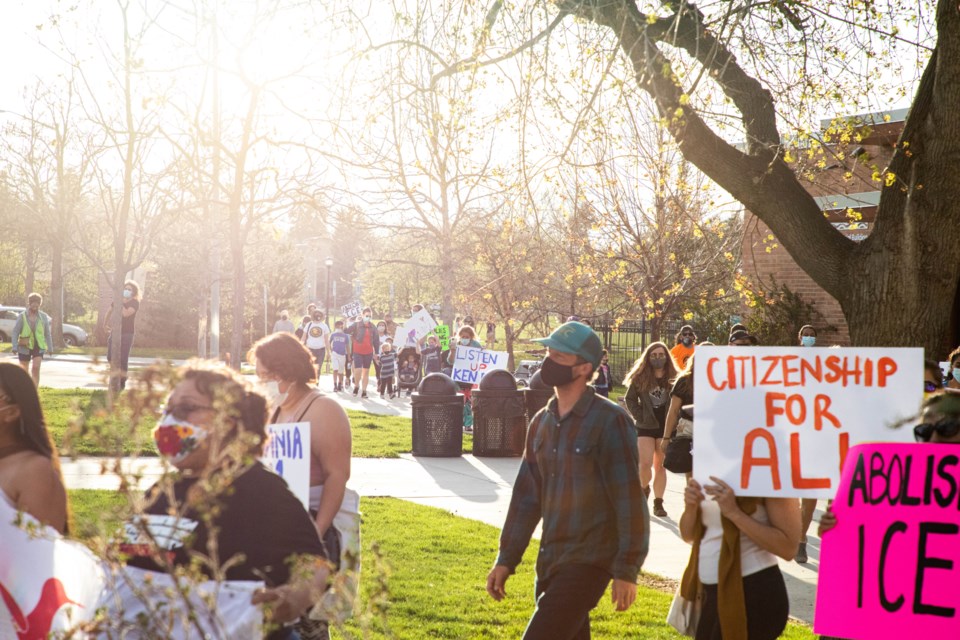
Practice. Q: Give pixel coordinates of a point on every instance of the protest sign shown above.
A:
(443, 334)
(778, 421)
(47, 584)
(890, 567)
(471, 363)
(351, 309)
(288, 454)
(156, 606)
(418, 326)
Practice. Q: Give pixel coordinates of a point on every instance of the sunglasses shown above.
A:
(946, 428)
(930, 386)
(182, 410)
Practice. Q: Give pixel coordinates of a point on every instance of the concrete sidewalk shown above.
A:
(480, 488)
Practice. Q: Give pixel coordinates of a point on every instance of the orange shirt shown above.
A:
(680, 355)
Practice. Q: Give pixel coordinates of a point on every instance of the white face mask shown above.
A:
(465, 341)
(127, 293)
(271, 389)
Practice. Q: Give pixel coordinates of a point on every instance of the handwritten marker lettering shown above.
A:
(779, 421)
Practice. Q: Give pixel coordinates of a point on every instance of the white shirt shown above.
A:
(316, 333)
(752, 558)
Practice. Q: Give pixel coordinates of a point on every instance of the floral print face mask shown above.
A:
(177, 439)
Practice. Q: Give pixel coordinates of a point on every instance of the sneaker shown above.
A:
(364, 395)
(356, 390)
(382, 396)
(658, 509)
(802, 553)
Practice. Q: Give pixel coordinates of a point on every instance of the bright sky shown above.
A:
(305, 39)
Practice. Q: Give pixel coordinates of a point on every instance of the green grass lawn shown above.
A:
(374, 436)
(427, 568)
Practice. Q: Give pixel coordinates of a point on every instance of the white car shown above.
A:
(73, 335)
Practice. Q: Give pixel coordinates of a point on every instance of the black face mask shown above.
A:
(555, 374)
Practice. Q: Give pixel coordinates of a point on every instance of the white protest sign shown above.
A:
(471, 363)
(47, 584)
(417, 327)
(351, 309)
(778, 421)
(288, 454)
(140, 604)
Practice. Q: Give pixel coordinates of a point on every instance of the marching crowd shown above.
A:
(588, 468)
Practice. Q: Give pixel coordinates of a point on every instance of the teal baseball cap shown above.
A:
(576, 338)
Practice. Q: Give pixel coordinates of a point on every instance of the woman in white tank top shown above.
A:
(739, 537)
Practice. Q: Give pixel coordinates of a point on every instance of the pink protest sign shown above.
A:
(891, 566)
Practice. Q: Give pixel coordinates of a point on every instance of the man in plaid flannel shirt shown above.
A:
(580, 474)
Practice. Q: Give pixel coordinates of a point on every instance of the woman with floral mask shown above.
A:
(285, 369)
(228, 505)
(30, 477)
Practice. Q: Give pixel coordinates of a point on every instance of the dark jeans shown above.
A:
(767, 606)
(564, 602)
(319, 355)
(126, 343)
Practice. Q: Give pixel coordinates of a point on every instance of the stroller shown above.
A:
(405, 378)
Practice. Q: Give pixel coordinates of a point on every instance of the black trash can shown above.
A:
(437, 417)
(536, 396)
(499, 416)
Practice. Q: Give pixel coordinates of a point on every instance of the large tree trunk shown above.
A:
(447, 274)
(898, 286)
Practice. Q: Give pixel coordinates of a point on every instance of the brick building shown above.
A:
(840, 175)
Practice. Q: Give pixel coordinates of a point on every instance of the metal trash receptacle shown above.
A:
(499, 416)
(536, 395)
(437, 407)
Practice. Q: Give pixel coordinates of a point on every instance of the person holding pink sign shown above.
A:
(736, 543)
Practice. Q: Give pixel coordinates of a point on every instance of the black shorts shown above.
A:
(649, 433)
(29, 355)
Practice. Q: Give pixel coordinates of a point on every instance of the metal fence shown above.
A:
(626, 342)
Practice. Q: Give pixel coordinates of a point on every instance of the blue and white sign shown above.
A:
(471, 363)
(288, 454)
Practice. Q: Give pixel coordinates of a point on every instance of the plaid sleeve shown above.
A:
(620, 474)
(525, 509)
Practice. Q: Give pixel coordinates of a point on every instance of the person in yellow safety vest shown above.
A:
(31, 336)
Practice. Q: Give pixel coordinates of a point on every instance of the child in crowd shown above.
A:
(409, 368)
(339, 347)
(388, 369)
(431, 355)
